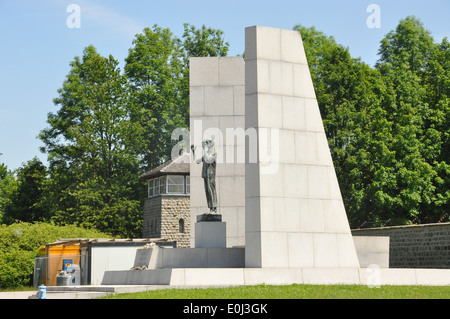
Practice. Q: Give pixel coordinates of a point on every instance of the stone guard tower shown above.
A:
(166, 210)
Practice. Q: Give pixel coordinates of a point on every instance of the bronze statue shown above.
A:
(209, 173)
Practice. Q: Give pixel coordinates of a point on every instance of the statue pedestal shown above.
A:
(210, 231)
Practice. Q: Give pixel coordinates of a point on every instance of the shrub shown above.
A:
(19, 245)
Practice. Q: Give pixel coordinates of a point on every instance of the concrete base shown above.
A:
(161, 258)
(372, 250)
(210, 234)
(185, 277)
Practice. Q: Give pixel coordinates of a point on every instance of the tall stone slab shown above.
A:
(295, 215)
(217, 110)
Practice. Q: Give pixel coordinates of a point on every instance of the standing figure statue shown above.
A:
(209, 173)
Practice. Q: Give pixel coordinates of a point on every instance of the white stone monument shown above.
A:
(295, 216)
(217, 109)
(296, 227)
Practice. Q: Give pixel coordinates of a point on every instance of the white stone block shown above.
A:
(251, 111)
(330, 276)
(252, 214)
(318, 182)
(303, 85)
(313, 118)
(232, 191)
(264, 77)
(272, 184)
(219, 100)
(323, 150)
(197, 101)
(274, 249)
(296, 181)
(325, 250)
(305, 148)
(268, 43)
(333, 184)
(214, 277)
(346, 251)
(292, 190)
(204, 71)
(231, 71)
(301, 250)
(287, 79)
(210, 235)
(280, 216)
(250, 43)
(433, 277)
(292, 214)
(253, 248)
(276, 77)
(252, 180)
(311, 216)
(270, 111)
(239, 101)
(335, 217)
(210, 126)
(267, 214)
(294, 113)
(292, 47)
(272, 276)
(287, 149)
(251, 76)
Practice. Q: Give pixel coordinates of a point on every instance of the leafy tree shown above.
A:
(26, 202)
(204, 42)
(8, 187)
(19, 245)
(416, 68)
(154, 67)
(157, 67)
(386, 125)
(92, 143)
(112, 126)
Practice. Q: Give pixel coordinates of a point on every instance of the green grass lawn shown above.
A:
(296, 292)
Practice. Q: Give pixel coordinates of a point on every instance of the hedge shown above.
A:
(19, 245)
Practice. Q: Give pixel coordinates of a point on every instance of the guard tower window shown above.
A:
(169, 184)
(181, 225)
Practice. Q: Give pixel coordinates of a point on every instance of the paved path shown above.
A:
(81, 292)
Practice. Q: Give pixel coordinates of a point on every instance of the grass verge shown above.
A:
(296, 291)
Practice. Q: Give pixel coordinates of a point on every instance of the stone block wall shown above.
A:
(418, 246)
(217, 110)
(168, 217)
(295, 216)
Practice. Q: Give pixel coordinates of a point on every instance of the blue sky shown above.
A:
(36, 45)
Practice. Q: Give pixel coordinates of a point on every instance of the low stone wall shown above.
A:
(417, 246)
(372, 250)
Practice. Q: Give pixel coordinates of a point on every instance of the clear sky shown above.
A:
(37, 45)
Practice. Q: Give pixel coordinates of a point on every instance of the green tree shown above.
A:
(8, 187)
(204, 42)
(26, 202)
(157, 67)
(387, 126)
(92, 144)
(154, 67)
(417, 70)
